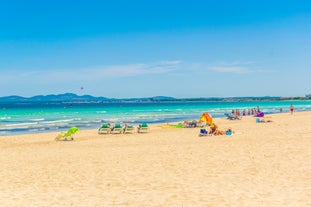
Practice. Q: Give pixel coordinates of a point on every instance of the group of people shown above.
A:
(250, 111)
(214, 130)
(254, 111)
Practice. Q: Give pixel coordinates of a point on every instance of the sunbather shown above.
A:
(215, 131)
(263, 120)
(190, 124)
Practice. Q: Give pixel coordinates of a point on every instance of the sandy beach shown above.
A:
(262, 164)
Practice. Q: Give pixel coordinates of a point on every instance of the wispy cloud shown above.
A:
(136, 69)
(95, 73)
(231, 69)
(238, 62)
(238, 67)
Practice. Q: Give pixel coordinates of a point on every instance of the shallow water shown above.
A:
(39, 117)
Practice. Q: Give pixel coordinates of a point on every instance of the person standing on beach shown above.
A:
(291, 108)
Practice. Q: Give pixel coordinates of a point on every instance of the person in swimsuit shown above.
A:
(215, 131)
(291, 108)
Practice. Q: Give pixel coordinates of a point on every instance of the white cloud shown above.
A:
(94, 73)
(238, 67)
(136, 69)
(237, 63)
(231, 69)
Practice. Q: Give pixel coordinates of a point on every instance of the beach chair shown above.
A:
(117, 129)
(129, 129)
(104, 129)
(143, 128)
(67, 136)
(231, 117)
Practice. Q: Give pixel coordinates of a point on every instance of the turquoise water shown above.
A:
(36, 118)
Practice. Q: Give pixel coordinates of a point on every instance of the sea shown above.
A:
(29, 118)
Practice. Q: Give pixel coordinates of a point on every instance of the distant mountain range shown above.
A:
(71, 97)
(52, 98)
(74, 98)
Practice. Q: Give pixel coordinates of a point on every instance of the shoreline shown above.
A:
(48, 119)
(155, 125)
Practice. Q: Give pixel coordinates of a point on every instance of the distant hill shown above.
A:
(53, 98)
(66, 97)
(74, 98)
(12, 99)
(71, 97)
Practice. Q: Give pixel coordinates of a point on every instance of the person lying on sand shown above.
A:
(263, 120)
(215, 131)
(190, 124)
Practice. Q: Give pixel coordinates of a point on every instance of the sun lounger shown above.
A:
(67, 136)
(117, 129)
(143, 128)
(104, 129)
(129, 129)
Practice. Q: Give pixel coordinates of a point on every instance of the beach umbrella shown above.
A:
(207, 118)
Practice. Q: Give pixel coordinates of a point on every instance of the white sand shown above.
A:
(265, 164)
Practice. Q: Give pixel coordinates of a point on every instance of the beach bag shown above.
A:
(228, 132)
(203, 132)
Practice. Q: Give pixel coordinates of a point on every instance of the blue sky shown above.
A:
(123, 49)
